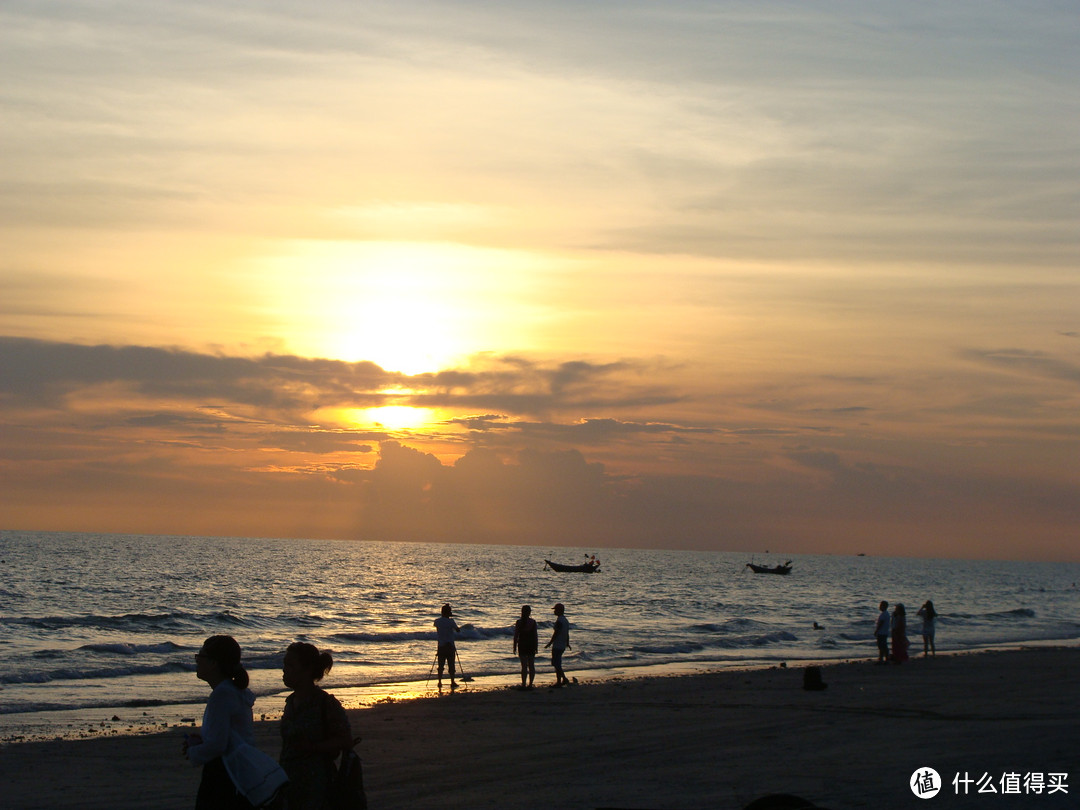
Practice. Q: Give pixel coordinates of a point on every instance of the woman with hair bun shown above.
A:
(227, 710)
(314, 728)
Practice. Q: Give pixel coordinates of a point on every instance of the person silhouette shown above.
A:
(228, 712)
(314, 728)
(559, 643)
(526, 643)
(446, 651)
(899, 635)
(928, 615)
(881, 632)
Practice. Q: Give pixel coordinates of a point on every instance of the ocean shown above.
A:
(98, 632)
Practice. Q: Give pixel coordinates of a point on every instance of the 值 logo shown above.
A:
(925, 783)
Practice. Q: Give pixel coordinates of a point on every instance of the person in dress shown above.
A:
(446, 651)
(928, 615)
(314, 728)
(526, 645)
(899, 635)
(228, 712)
(559, 643)
(882, 629)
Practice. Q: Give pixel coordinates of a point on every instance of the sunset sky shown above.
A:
(742, 276)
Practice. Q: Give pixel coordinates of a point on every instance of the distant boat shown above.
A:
(584, 568)
(783, 570)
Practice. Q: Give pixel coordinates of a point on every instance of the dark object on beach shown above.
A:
(783, 570)
(811, 680)
(347, 790)
(781, 801)
(584, 568)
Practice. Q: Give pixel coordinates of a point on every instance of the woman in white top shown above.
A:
(228, 710)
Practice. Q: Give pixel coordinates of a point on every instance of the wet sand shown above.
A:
(671, 743)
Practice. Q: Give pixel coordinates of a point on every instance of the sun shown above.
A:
(412, 338)
(390, 417)
(394, 417)
(410, 307)
(396, 309)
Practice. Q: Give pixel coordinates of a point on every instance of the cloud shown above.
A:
(142, 439)
(324, 442)
(49, 373)
(532, 498)
(536, 497)
(593, 431)
(1029, 363)
(894, 133)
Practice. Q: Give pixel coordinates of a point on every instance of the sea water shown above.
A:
(107, 626)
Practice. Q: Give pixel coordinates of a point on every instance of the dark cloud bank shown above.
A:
(205, 444)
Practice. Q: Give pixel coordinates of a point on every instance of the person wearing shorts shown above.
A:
(445, 628)
(560, 642)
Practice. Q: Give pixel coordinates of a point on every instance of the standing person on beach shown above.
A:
(228, 710)
(314, 728)
(928, 615)
(881, 632)
(899, 635)
(445, 630)
(526, 645)
(559, 643)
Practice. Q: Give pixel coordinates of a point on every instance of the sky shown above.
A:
(800, 277)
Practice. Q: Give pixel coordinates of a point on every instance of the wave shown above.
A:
(175, 620)
(123, 648)
(312, 620)
(384, 638)
(996, 617)
(1018, 613)
(746, 642)
(684, 648)
(730, 626)
(469, 632)
(123, 621)
(777, 637)
(60, 706)
(75, 673)
(85, 669)
(178, 621)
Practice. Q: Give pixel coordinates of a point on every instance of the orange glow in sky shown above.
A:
(698, 276)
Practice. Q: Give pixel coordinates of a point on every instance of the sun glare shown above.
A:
(410, 307)
(392, 417)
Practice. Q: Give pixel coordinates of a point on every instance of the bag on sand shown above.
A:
(257, 776)
(347, 792)
(812, 681)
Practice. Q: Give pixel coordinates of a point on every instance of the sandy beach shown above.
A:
(673, 743)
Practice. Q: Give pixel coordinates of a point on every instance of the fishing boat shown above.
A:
(783, 570)
(584, 568)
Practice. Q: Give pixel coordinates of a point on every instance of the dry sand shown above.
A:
(674, 743)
